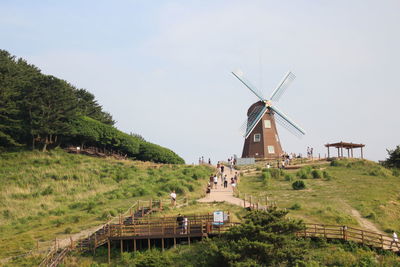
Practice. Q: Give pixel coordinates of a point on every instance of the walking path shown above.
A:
(221, 194)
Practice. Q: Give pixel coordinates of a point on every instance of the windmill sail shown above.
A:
(283, 85)
(287, 123)
(253, 119)
(248, 85)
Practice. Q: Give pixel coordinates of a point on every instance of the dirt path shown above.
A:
(221, 194)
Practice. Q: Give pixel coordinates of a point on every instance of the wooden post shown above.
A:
(161, 204)
(131, 212)
(362, 236)
(151, 203)
(95, 244)
(134, 244)
(162, 243)
(109, 251)
(122, 246)
(148, 243)
(189, 240)
(382, 241)
(251, 198)
(174, 242)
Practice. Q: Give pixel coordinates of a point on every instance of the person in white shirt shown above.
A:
(173, 198)
(215, 181)
(395, 240)
(185, 224)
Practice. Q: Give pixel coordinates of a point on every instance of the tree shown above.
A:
(50, 105)
(88, 106)
(265, 238)
(394, 158)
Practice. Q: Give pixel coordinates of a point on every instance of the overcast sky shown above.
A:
(162, 68)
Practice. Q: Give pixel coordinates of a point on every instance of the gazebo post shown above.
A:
(338, 152)
(362, 156)
(348, 153)
(352, 153)
(328, 151)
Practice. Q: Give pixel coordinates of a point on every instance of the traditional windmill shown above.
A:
(261, 135)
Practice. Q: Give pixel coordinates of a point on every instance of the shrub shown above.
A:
(298, 185)
(295, 206)
(396, 172)
(302, 174)
(316, 174)
(47, 191)
(265, 176)
(326, 175)
(68, 230)
(288, 177)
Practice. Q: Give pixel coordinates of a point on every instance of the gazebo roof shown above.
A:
(345, 145)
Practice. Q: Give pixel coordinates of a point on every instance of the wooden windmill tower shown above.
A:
(260, 132)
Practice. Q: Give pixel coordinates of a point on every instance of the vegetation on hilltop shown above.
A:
(39, 110)
(334, 192)
(44, 195)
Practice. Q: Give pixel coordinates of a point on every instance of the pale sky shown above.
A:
(162, 68)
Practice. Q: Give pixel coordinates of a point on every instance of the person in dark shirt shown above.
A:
(179, 220)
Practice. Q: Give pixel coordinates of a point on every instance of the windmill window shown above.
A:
(271, 150)
(257, 137)
(267, 124)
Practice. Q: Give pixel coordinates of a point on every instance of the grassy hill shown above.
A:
(43, 195)
(341, 192)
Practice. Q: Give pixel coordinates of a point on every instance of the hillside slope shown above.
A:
(43, 195)
(347, 191)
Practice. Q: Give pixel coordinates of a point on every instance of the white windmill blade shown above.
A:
(253, 120)
(283, 85)
(288, 123)
(239, 75)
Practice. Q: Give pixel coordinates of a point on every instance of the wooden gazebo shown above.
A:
(349, 146)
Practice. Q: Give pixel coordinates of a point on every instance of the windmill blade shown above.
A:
(248, 85)
(287, 123)
(252, 120)
(283, 85)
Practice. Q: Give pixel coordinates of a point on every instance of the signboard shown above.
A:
(218, 217)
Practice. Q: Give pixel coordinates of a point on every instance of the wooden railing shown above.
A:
(347, 233)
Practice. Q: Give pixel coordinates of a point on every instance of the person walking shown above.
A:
(222, 168)
(395, 240)
(225, 181)
(215, 181)
(233, 184)
(173, 198)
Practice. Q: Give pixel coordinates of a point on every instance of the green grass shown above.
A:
(44, 195)
(349, 184)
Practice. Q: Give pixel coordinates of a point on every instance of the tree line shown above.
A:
(42, 111)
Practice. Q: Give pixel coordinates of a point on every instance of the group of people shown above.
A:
(202, 161)
(182, 221)
(213, 182)
(310, 152)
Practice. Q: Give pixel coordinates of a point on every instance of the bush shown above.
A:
(316, 174)
(302, 174)
(156, 153)
(298, 185)
(326, 175)
(265, 176)
(396, 172)
(295, 206)
(288, 177)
